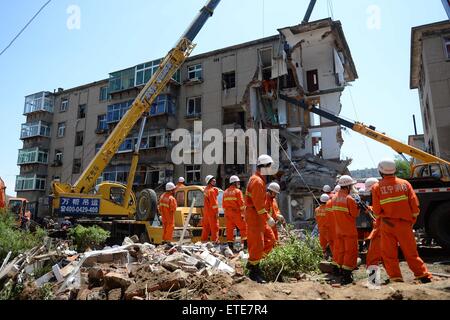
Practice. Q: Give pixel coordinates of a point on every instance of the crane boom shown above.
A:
(171, 63)
(369, 132)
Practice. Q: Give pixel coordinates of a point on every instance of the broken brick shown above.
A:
(114, 280)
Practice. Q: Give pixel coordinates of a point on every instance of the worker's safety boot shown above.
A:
(347, 277)
(337, 271)
(255, 273)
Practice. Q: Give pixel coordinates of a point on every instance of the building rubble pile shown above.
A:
(316, 173)
(133, 271)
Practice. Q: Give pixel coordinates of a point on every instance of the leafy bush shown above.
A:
(90, 237)
(292, 258)
(15, 240)
(403, 168)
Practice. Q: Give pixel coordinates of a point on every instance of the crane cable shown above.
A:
(23, 29)
(298, 172)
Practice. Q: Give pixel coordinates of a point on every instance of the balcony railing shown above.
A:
(42, 101)
(35, 129)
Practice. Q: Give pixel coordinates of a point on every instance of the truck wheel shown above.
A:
(440, 225)
(146, 205)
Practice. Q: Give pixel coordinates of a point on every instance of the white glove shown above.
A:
(271, 222)
(281, 218)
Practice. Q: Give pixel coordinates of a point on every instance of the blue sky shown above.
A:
(115, 34)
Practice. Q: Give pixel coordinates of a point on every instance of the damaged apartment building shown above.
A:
(231, 88)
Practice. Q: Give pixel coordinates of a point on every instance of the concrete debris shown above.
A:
(131, 271)
(316, 172)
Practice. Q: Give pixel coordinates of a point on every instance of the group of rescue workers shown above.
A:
(394, 208)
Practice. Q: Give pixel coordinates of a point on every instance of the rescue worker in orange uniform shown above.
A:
(323, 223)
(345, 212)
(167, 207)
(2, 194)
(233, 205)
(256, 216)
(272, 207)
(210, 221)
(180, 183)
(373, 257)
(396, 203)
(331, 225)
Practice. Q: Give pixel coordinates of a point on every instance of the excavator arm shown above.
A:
(369, 132)
(170, 64)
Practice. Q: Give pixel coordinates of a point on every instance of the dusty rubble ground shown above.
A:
(137, 271)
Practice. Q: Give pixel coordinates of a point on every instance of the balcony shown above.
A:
(39, 102)
(135, 76)
(32, 156)
(30, 183)
(35, 129)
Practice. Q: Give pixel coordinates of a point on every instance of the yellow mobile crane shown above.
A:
(115, 199)
(430, 179)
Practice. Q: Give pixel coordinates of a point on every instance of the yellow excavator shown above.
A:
(430, 179)
(116, 200)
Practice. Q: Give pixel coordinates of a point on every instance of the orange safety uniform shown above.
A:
(323, 225)
(345, 212)
(179, 185)
(256, 217)
(233, 205)
(273, 211)
(331, 227)
(210, 221)
(167, 208)
(373, 257)
(396, 203)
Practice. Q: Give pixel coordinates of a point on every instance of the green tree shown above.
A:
(403, 168)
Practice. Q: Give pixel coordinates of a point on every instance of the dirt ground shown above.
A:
(318, 289)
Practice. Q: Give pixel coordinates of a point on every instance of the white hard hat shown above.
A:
(370, 183)
(275, 187)
(326, 188)
(387, 166)
(337, 188)
(208, 179)
(181, 180)
(264, 160)
(170, 186)
(324, 198)
(346, 181)
(234, 179)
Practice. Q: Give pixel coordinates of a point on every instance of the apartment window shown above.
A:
(79, 139)
(316, 141)
(266, 63)
(28, 156)
(145, 71)
(82, 111)
(76, 169)
(447, 47)
(194, 107)
(61, 129)
(193, 174)
(58, 157)
(42, 101)
(64, 105)
(126, 146)
(156, 139)
(313, 80)
(102, 124)
(229, 80)
(195, 72)
(116, 173)
(163, 104)
(35, 129)
(117, 111)
(104, 94)
(30, 183)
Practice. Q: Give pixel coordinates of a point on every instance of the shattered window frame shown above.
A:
(229, 80)
(193, 174)
(194, 106)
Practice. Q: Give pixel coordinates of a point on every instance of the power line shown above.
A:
(23, 29)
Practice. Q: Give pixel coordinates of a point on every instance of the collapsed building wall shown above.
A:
(311, 61)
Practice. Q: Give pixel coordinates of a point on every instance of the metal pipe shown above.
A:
(312, 3)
